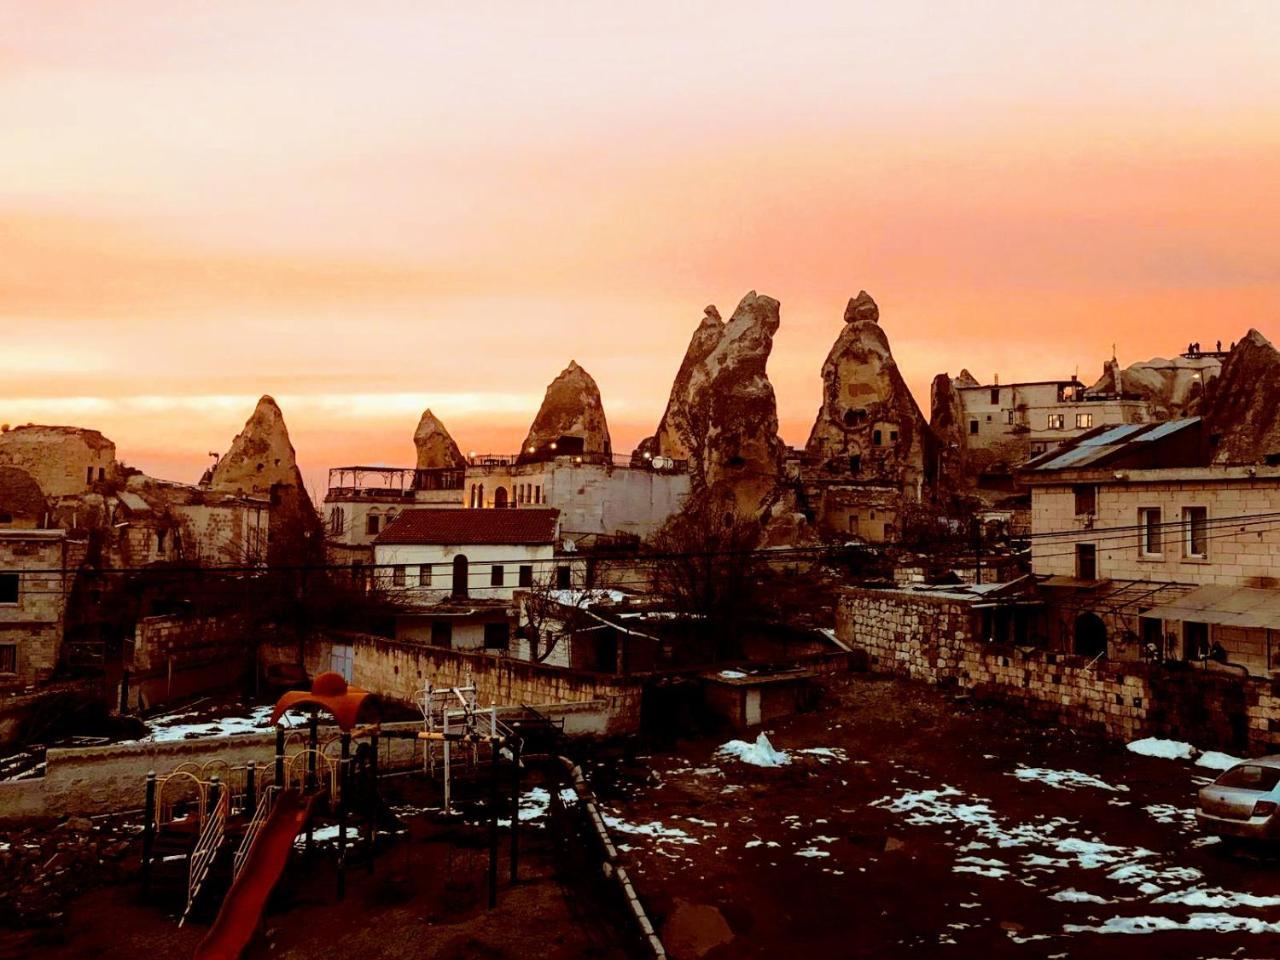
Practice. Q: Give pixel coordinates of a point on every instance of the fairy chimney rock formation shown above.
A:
(436, 448)
(1242, 406)
(262, 463)
(261, 455)
(869, 427)
(722, 416)
(571, 417)
(946, 420)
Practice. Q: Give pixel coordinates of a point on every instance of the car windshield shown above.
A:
(1250, 776)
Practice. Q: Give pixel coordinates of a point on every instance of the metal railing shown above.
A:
(206, 849)
(251, 832)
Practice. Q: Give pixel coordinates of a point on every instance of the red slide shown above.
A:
(245, 901)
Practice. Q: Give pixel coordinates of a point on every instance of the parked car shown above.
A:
(1244, 801)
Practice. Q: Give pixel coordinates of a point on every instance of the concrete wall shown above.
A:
(934, 640)
(1248, 557)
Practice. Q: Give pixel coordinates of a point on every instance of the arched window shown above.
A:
(460, 573)
(480, 497)
(473, 496)
(500, 498)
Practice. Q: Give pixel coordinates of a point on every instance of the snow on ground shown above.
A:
(1211, 922)
(733, 675)
(1043, 846)
(181, 726)
(1168, 813)
(1165, 749)
(823, 754)
(1064, 779)
(1217, 899)
(1072, 895)
(759, 753)
(1213, 760)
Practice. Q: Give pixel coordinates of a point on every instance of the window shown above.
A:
(88, 474)
(461, 573)
(1150, 541)
(875, 437)
(441, 633)
(526, 575)
(496, 575)
(8, 658)
(6, 518)
(973, 426)
(893, 436)
(335, 521)
(563, 581)
(371, 523)
(1008, 417)
(497, 635)
(1057, 421)
(1086, 495)
(1086, 561)
(397, 575)
(9, 587)
(989, 418)
(160, 535)
(855, 463)
(1195, 523)
(102, 473)
(1249, 776)
(995, 396)
(1084, 421)
(424, 575)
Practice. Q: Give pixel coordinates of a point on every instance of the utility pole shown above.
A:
(977, 550)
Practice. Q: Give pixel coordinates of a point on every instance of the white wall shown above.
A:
(481, 560)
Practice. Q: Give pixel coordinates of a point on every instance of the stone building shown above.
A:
(870, 451)
(22, 502)
(63, 460)
(36, 576)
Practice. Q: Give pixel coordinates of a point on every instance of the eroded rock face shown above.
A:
(436, 449)
(946, 420)
(869, 426)
(1173, 388)
(262, 463)
(572, 409)
(1242, 406)
(722, 415)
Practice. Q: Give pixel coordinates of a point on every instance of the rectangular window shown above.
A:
(9, 587)
(371, 524)
(88, 474)
(1008, 417)
(441, 633)
(397, 575)
(1195, 523)
(995, 396)
(496, 575)
(102, 473)
(526, 575)
(563, 578)
(160, 534)
(875, 437)
(1150, 541)
(1086, 495)
(8, 658)
(1057, 421)
(424, 575)
(496, 636)
(1086, 561)
(1084, 421)
(973, 426)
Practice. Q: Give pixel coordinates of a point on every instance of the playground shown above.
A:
(464, 835)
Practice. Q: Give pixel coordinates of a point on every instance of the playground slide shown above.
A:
(247, 898)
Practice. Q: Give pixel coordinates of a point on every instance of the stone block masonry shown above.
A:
(935, 640)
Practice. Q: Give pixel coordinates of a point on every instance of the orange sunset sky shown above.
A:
(365, 209)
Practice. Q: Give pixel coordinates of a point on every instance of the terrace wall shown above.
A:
(934, 640)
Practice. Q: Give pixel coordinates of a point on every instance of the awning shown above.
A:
(1226, 606)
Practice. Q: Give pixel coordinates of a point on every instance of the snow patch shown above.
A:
(1065, 779)
(759, 754)
(1213, 760)
(1165, 749)
(1072, 895)
(1210, 922)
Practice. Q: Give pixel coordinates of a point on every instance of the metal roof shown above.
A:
(1100, 445)
(1225, 606)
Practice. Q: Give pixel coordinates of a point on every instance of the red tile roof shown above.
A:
(531, 525)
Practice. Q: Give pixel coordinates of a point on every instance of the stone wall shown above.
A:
(63, 460)
(33, 625)
(396, 670)
(934, 640)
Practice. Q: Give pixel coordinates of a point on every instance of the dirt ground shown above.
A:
(427, 897)
(924, 826)
(905, 823)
